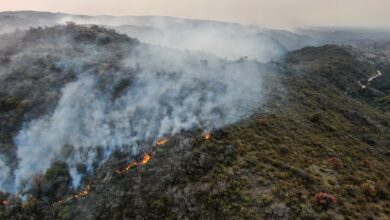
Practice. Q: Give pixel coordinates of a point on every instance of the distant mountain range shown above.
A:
(211, 36)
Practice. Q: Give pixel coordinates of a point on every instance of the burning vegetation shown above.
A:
(83, 193)
(207, 136)
(282, 154)
(4, 202)
(145, 159)
(161, 141)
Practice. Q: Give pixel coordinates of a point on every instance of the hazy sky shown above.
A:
(274, 13)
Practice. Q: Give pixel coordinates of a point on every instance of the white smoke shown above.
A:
(226, 40)
(4, 175)
(171, 91)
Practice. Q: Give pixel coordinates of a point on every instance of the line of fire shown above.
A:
(146, 157)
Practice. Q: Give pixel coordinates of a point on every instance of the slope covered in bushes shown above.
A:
(315, 150)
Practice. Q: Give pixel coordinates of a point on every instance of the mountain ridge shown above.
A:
(316, 149)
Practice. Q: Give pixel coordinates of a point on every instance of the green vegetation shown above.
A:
(316, 150)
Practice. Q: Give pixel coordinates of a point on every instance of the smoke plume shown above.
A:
(125, 97)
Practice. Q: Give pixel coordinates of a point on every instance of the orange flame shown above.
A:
(161, 141)
(130, 165)
(145, 159)
(207, 136)
(83, 193)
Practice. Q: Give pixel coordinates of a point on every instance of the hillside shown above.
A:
(224, 39)
(317, 147)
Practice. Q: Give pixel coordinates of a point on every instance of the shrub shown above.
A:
(283, 150)
(335, 162)
(277, 211)
(315, 117)
(57, 170)
(325, 199)
(368, 189)
(386, 99)
(263, 122)
(366, 163)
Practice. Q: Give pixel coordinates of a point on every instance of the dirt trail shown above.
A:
(379, 73)
(376, 76)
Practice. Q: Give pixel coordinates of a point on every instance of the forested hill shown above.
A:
(316, 147)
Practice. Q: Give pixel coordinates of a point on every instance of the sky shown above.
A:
(269, 13)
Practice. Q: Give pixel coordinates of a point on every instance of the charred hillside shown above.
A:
(315, 148)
